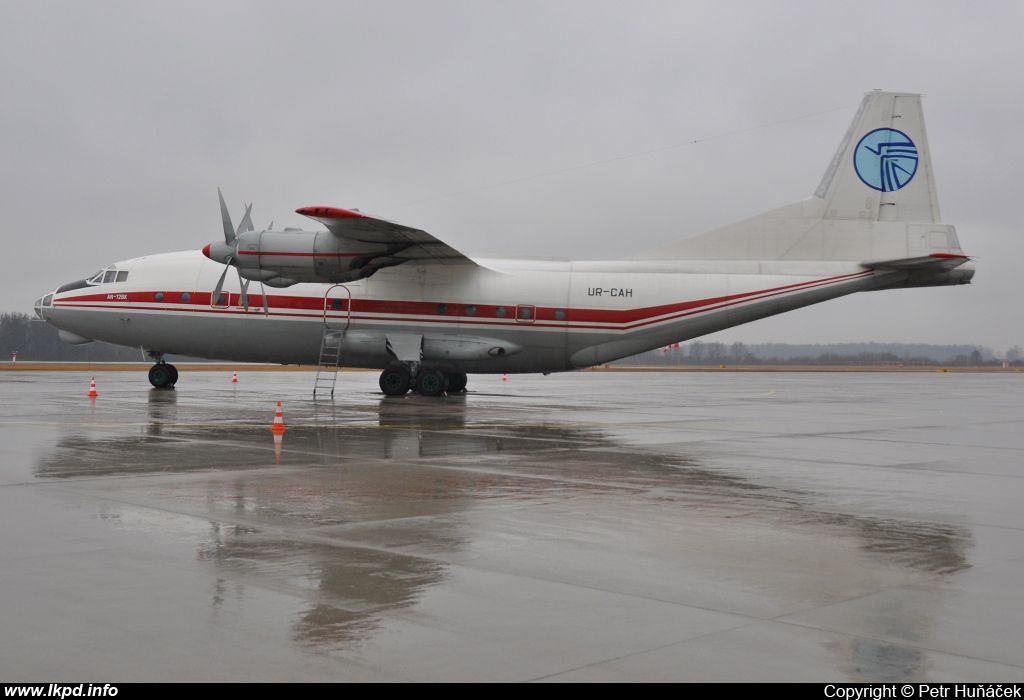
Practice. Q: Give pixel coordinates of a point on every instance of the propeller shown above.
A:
(229, 253)
(229, 233)
(220, 283)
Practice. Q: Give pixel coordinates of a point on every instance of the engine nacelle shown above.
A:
(284, 258)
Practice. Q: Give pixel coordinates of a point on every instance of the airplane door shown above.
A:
(337, 307)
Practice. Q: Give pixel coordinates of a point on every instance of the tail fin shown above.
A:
(882, 170)
(876, 201)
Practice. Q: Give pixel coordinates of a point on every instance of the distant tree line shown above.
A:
(36, 340)
(701, 353)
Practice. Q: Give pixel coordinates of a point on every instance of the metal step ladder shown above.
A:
(327, 367)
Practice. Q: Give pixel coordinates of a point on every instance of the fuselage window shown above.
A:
(525, 312)
(122, 275)
(109, 276)
(500, 312)
(337, 304)
(159, 296)
(185, 296)
(471, 310)
(442, 309)
(559, 314)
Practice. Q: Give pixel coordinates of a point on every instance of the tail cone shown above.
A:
(92, 389)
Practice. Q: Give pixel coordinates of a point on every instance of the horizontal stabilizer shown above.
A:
(876, 202)
(936, 262)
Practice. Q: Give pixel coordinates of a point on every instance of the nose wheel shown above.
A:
(163, 375)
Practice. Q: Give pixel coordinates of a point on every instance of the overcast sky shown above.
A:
(118, 121)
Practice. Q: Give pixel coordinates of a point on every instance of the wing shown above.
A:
(936, 262)
(403, 244)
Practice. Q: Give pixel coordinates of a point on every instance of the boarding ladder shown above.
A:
(330, 357)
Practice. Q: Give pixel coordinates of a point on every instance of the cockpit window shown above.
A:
(109, 276)
(122, 275)
(97, 278)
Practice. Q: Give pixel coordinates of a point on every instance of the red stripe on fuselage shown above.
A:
(403, 311)
(632, 315)
(300, 255)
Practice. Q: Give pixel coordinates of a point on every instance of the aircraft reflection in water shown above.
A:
(384, 501)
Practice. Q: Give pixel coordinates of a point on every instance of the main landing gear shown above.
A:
(163, 375)
(397, 380)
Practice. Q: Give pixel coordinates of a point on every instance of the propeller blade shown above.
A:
(246, 223)
(271, 227)
(220, 284)
(229, 230)
(243, 298)
(263, 294)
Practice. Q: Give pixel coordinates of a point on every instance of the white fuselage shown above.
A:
(506, 315)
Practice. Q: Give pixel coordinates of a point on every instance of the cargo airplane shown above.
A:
(370, 293)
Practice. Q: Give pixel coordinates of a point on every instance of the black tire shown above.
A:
(160, 376)
(456, 382)
(430, 382)
(394, 381)
(174, 374)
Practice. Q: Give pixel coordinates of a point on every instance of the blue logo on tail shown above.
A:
(885, 160)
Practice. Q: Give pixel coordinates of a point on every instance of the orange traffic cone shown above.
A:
(92, 389)
(504, 377)
(234, 377)
(278, 426)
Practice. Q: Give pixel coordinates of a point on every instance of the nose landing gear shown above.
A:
(162, 375)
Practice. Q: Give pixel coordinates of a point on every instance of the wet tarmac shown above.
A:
(586, 526)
